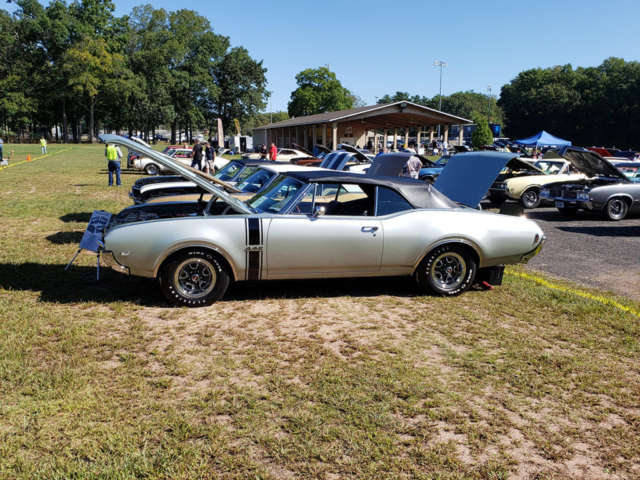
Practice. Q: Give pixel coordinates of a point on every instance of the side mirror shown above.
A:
(318, 211)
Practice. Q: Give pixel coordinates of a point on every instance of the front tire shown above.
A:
(615, 209)
(530, 198)
(447, 270)
(152, 169)
(194, 278)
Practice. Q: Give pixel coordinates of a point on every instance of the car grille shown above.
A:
(563, 194)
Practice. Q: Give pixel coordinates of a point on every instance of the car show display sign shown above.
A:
(92, 235)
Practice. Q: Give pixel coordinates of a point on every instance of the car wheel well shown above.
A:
(180, 251)
(626, 199)
(475, 256)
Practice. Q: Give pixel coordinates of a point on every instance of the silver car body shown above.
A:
(290, 244)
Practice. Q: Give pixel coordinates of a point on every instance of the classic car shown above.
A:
(372, 226)
(606, 190)
(515, 168)
(630, 169)
(526, 188)
(182, 154)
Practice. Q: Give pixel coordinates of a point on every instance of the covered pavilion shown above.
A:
(358, 126)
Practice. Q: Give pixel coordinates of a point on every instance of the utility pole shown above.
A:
(270, 92)
(441, 64)
(489, 114)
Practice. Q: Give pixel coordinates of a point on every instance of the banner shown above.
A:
(235, 120)
(220, 134)
(93, 233)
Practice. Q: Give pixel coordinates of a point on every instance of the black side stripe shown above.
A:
(254, 237)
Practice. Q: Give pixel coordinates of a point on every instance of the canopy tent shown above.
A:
(543, 139)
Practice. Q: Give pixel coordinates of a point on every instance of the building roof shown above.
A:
(389, 115)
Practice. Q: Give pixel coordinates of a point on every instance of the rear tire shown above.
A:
(194, 278)
(447, 270)
(530, 198)
(152, 169)
(615, 209)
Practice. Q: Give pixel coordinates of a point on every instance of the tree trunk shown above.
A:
(153, 133)
(91, 124)
(173, 132)
(65, 134)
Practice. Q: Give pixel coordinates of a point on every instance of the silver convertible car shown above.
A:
(316, 224)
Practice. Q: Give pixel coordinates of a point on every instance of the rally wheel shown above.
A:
(530, 198)
(152, 169)
(615, 209)
(447, 270)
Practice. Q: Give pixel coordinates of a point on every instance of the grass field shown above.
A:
(319, 379)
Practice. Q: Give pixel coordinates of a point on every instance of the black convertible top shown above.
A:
(419, 194)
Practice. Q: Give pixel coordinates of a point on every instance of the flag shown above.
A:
(235, 120)
(220, 134)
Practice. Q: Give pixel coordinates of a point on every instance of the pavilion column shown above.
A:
(431, 134)
(460, 135)
(418, 140)
(315, 137)
(288, 138)
(395, 138)
(386, 138)
(406, 137)
(335, 135)
(305, 133)
(324, 134)
(446, 132)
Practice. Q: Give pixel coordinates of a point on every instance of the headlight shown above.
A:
(583, 197)
(544, 192)
(503, 186)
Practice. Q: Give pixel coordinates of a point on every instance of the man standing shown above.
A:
(113, 154)
(273, 152)
(43, 145)
(210, 158)
(412, 168)
(196, 155)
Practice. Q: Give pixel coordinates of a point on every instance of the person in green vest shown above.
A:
(43, 145)
(113, 154)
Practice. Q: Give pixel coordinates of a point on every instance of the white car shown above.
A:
(182, 155)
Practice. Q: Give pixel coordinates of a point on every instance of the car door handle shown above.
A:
(369, 229)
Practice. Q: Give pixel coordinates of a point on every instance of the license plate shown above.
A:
(559, 204)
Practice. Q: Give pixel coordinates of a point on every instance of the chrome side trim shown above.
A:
(225, 255)
(528, 256)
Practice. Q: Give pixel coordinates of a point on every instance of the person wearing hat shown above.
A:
(113, 154)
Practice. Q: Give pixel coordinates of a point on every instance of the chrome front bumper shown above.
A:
(528, 256)
(110, 260)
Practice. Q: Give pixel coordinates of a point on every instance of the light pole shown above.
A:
(270, 92)
(440, 63)
(489, 114)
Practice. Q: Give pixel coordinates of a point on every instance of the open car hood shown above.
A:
(391, 164)
(357, 154)
(336, 160)
(469, 176)
(323, 149)
(303, 150)
(591, 163)
(208, 183)
(518, 165)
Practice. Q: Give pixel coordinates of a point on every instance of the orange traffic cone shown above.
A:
(28, 157)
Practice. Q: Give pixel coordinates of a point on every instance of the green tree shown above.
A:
(482, 134)
(260, 119)
(318, 91)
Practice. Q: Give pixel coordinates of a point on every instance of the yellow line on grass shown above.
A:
(596, 298)
(37, 158)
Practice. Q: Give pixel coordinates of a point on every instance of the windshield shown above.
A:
(442, 161)
(255, 181)
(549, 167)
(275, 196)
(229, 171)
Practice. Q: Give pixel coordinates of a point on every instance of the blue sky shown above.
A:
(378, 47)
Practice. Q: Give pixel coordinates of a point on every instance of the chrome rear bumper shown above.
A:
(528, 256)
(109, 259)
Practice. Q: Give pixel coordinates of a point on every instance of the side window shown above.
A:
(305, 205)
(352, 200)
(391, 202)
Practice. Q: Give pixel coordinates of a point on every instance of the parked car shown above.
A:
(383, 226)
(631, 170)
(526, 188)
(516, 168)
(605, 189)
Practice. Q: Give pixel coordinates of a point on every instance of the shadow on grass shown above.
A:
(78, 284)
(64, 238)
(80, 217)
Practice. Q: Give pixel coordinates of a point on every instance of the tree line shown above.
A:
(80, 68)
(588, 106)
